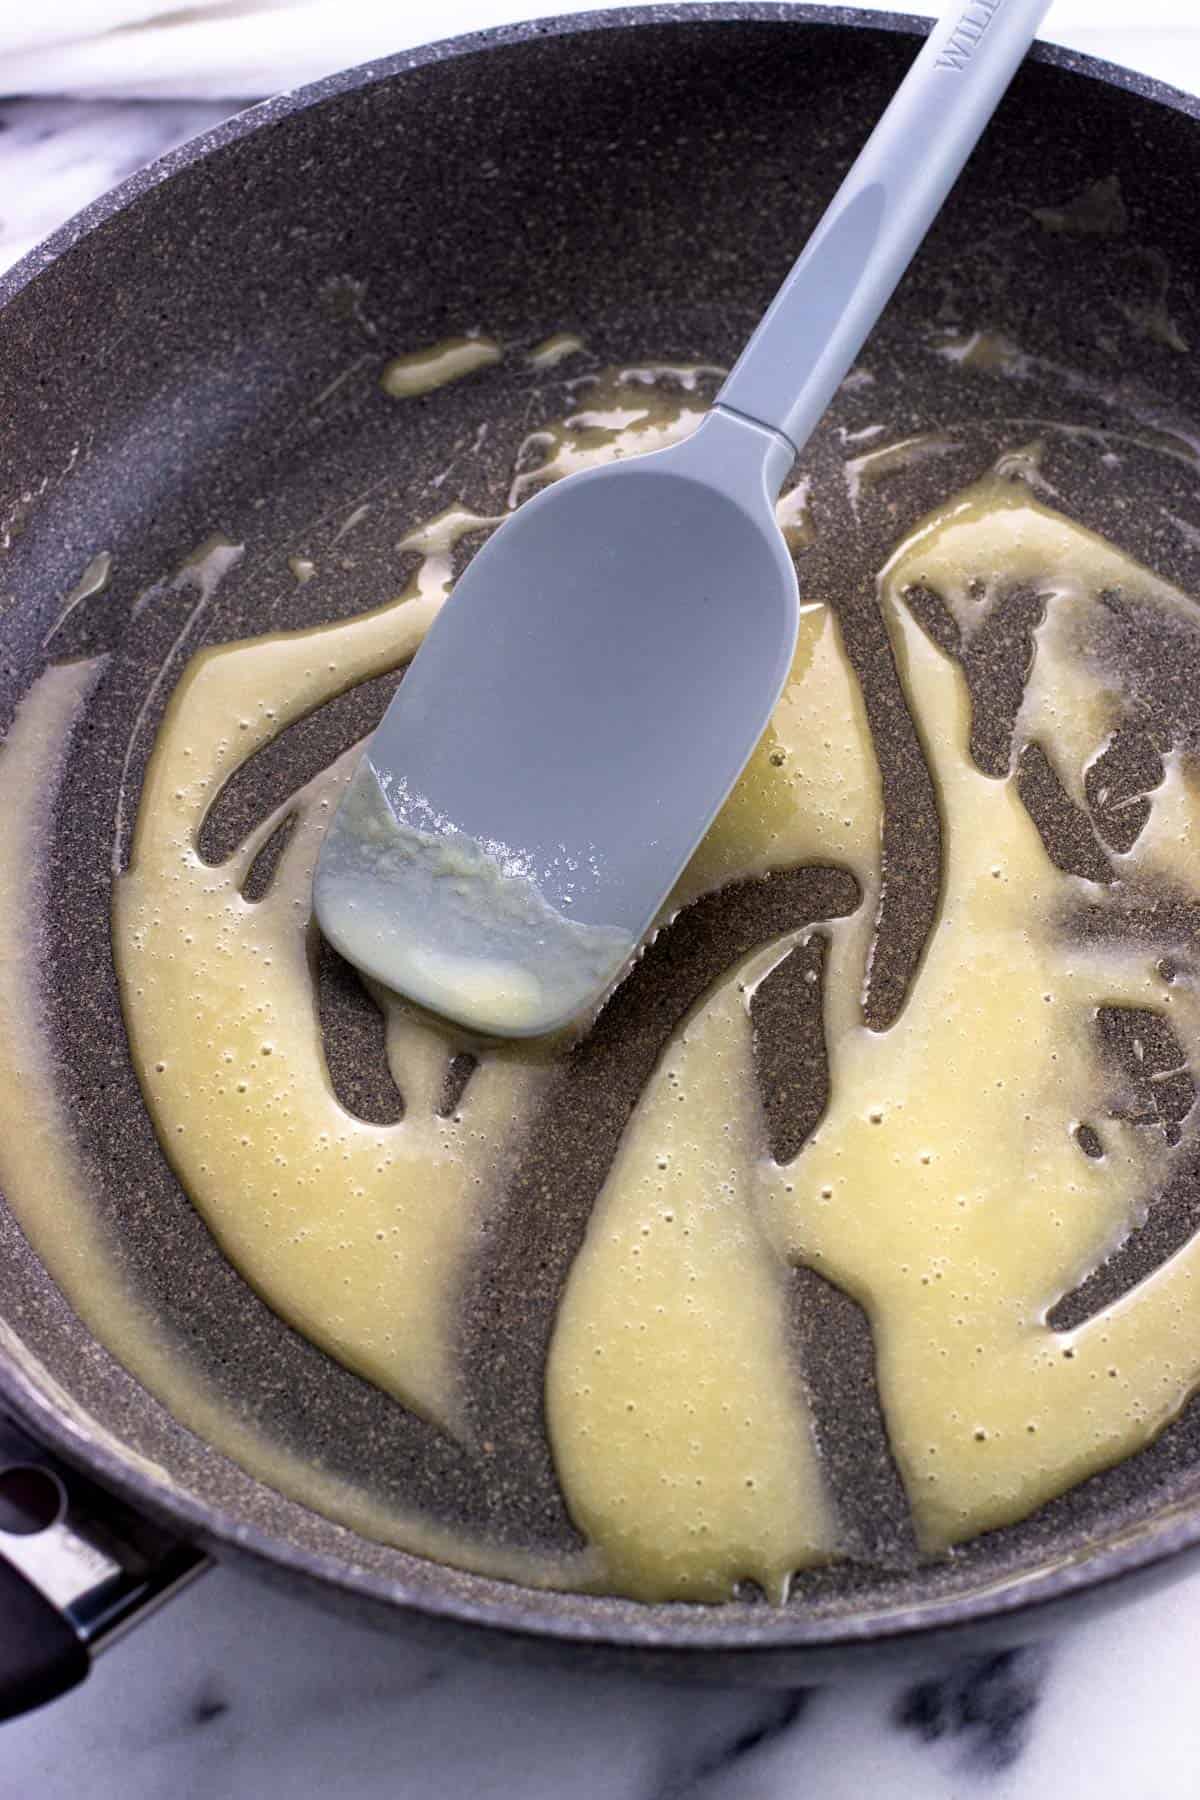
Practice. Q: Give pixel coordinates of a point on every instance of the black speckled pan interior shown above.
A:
(201, 352)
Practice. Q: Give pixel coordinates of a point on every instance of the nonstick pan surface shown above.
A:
(201, 352)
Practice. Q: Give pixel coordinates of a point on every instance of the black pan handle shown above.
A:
(77, 1569)
(41, 1653)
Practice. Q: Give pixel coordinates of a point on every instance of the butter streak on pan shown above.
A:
(44, 1176)
(683, 1435)
(355, 1231)
(945, 1188)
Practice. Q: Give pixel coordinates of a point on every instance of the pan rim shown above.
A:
(683, 1634)
(363, 75)
(1008, 1612)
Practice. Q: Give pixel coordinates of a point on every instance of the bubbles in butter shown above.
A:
(944, 1188)
(681, 1430)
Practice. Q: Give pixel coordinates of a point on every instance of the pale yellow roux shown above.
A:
(553, 350)
(793, 515)
(44, 1176)
(36, 1143)
(881, 1227)
(683, 1439)
(355, 1232)
(421, 371)
(40, 1167)
(243, 1103)
(275, 1224)
(627, 412)
(996, 534)
(944, 1187)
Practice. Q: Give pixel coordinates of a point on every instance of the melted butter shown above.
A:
(628, 411)
(1024, 463)
(205, 567)
(944, 1187)
(277, 1228)
(422, 371)
(254, 1137)
(994, 537)
(554, 350)
(960, 1257)
(810, 792)
(354, 1232)
(43, 1169)
(683, 1439)
(44, 1175)
(37, 1147)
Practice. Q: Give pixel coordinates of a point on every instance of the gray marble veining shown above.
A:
(56, 156)
(237, 1691)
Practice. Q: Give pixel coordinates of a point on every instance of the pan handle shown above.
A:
(77, 1569)
(41, 1654)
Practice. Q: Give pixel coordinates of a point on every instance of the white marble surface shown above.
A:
(247, 47)
(235, 1693)
(57, 155)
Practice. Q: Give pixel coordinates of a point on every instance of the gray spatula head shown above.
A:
(605, 667)
(580, 708)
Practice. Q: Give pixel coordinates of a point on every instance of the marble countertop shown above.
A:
(236, 1691)
(245, 48)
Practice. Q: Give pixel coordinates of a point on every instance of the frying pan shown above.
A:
(200, 351)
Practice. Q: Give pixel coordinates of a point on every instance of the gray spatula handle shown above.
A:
(821, 316)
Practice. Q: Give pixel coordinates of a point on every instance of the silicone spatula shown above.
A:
(592, 688)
